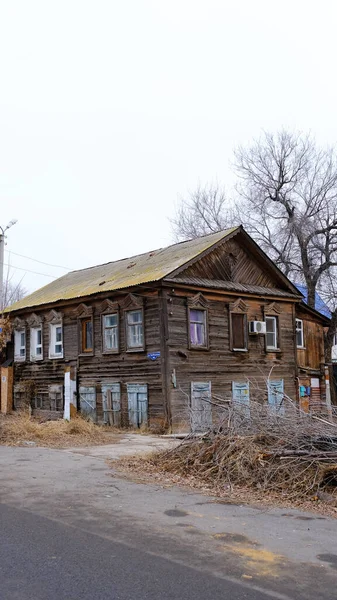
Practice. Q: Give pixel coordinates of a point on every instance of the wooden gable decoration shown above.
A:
(83, 310)
(197, 301)
(239, 306)
(108, 306)
(34, 320)
(19, 323)
(54, 317)
(131, 301)
(272, 308)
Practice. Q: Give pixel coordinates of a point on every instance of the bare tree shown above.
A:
(12, 291)
(206, 210)
(287, 201)
(288, 190)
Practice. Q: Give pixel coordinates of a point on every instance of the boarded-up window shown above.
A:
(88, 401)
(240, 391)
(276, 397)
(201, 408)
(111, 400)
(137, 404)
(239, 331)
(56, 397)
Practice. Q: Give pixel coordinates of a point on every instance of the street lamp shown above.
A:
(2, 249)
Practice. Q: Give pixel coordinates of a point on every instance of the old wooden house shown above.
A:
(145, 340)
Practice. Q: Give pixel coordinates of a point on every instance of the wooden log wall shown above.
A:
(219, 364)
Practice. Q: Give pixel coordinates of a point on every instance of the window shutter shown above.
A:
(201, 408)
(275, 397)
(112, 415)
(240, 395)
(238, 331)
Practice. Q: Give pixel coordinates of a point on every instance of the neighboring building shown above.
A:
(145, 340)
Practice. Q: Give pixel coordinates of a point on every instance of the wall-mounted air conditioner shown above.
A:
(257, 327)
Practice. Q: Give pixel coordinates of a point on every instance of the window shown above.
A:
(198, 337)
(110, 333)
(56, 341)
(271, 335)
(137, 404)
(299, 334)
(276, 396)
(135, 329)
(36, 343)
(238, 331)
(86, 335)
(240, 395)
(19, 345)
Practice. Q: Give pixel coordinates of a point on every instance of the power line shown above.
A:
(28, 271)
(38, 261)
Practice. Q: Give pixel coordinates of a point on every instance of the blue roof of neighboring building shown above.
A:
(320, 305)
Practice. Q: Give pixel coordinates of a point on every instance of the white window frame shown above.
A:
(19, 348)
(274, 332)
(299, 329)
(34, 355)
(112, 327)
(53, 342)
(140, 346)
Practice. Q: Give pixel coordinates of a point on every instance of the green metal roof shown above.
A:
(124, 273)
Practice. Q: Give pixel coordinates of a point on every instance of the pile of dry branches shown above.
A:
(291, 453)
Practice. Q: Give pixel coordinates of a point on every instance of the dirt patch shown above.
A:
(23, 430)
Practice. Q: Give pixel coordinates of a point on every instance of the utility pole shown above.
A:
(2, 254)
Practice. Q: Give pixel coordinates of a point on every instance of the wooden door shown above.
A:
(111, 400)
(137, 404)
(201, 408)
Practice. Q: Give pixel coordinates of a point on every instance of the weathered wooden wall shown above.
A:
(219, 364)
(97, 368)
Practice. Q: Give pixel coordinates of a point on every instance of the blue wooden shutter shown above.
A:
(201, 408)
(275, 396)
(88, 401)
(240, 396)
(137, 404)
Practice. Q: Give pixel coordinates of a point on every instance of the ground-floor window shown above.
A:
(88, 401)
(137, 404)
(111, 401)
(276, 396)
(201, 407)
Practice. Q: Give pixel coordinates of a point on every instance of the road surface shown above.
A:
(72, 529)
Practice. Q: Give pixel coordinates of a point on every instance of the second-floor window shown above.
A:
(134, 329)
(110, 333)
(86, 335)
(56, 341)
(299, 333)
(36, 343)
(198, 333)
(272, 333)
(238, 331)
(20, 345)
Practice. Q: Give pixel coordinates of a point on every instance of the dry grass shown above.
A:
(18, 429)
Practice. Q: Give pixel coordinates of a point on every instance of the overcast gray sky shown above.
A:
(109, 110)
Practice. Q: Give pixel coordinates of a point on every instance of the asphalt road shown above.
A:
(72, 528)
(44, 560)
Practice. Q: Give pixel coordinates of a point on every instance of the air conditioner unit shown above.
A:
(257, 327)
